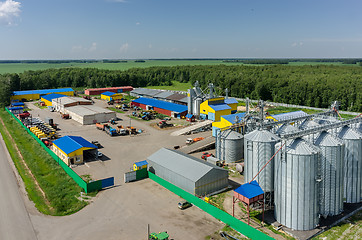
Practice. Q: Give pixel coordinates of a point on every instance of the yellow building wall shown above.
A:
(117, 96)
(205, 108)
(218, 114)
(234, 106)
(26, 96)
(138, 168)
(222, 123)
(48, 103)
(105, 97)
(70, 93)
(66, 157)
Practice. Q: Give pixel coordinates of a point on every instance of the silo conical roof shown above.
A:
(308, 124)
(348, 133)
(327, 140)
(286, 128)
(301, 147)
(231, 135)
(261, 136)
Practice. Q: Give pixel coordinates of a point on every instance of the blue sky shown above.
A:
(133, 29)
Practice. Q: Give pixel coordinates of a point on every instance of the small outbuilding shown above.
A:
(16, 110)
(98, 91)
(187, 172)
(89, 114)
(109, 96)
(74, 149)
(47, 99)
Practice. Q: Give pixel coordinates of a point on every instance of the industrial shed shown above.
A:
(177, 98)
(227, 121)
(89, 114)
(47, 99)
(214, 108)
(98, 91)
(109, 96)
(63, 102)
(73, 149)
(167, 108)
(187, 172)
(163, 95)
(288, 115)
(37, 94)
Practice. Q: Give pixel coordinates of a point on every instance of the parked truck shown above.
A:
(164, 124)
(101, 126)
(122, 131)
(111, 131)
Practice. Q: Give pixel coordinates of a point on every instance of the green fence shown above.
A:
(236, 224)
(87, 187)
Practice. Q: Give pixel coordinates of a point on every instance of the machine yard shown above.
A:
(214, 160)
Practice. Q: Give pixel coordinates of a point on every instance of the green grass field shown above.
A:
(59, 188)
(176, 86)
(21, 67)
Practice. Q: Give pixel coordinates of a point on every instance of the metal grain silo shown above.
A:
(295, 186)
(231, 146)
(259, 147)
(331, 170)
(286, 128)
(308, 124)
(196, 107)
(352, 164)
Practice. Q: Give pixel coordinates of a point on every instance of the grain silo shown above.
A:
(295, 186)
(259, 147)
(286, 128)
(231, 146)
(352, 164)
(331, 170)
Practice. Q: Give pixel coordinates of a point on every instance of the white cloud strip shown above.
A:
(9, 11)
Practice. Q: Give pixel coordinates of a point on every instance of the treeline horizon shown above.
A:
(314, 86)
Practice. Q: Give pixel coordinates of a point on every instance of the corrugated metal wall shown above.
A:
(172, 177)
(213, 181)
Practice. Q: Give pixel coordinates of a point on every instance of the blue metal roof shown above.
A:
(18, 104)
(51, 96)
(250, 190)
(162, 104)
(230, 100)
(43, 91)
(288, 115)
(219, 107)
(232, 117)
(141, 163)
(108, 93)
(69, 144)
(15, 108)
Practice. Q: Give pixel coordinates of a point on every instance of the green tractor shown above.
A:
(159, 236)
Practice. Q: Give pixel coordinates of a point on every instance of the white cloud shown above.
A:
(296, 44)
(9, 10)
(93, 47)
(150, 45)
(138, 23)
(124, 47)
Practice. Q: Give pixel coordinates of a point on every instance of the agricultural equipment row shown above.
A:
(118, 130)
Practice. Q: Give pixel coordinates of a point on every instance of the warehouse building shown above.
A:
(61, 103)
(47, 99)
(226, 121)
(187, 172)
(89, 114)
(167, 108)
(163, 95)
(74, 149)
(37, 94)
(177, 98)
(111, 96)
(288, 115)
(98, 91)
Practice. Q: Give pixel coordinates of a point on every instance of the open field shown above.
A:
(21, 67)
(176, 86)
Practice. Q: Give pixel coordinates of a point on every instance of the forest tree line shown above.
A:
(315, 86)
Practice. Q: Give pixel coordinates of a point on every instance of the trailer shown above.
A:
(101, 126)
(111, 131)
